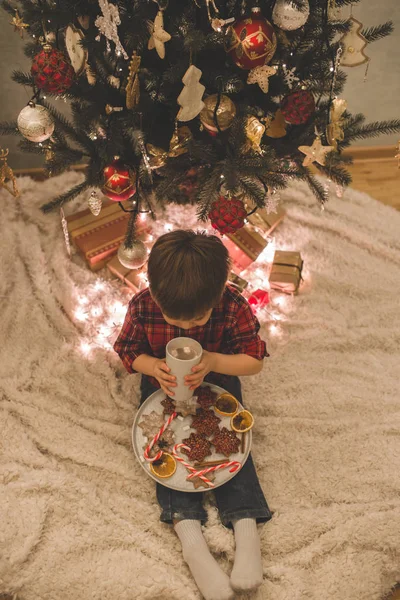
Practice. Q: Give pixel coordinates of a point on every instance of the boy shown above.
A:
(188, 296)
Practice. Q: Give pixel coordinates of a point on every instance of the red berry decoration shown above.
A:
(298, 107)
(118, 184)
(227, 214)
(51, 70)
(251, 42)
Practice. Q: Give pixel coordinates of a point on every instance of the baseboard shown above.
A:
(359, 153)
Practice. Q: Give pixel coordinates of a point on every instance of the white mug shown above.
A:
(182, 354)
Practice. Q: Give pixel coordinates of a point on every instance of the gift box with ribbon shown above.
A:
(285, 274)
(98, 238)
(244, 246)
(265, 221)
(133, 278)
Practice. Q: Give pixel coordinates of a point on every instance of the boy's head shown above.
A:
(187, 273)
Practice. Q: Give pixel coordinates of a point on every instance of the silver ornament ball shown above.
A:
(288, 17)
(35, 123)
(132, 258)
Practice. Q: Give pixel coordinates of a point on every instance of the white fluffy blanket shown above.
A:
(79, 518)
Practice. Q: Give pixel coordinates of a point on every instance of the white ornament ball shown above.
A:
(35, 123)
(288, 17)
(132, 258)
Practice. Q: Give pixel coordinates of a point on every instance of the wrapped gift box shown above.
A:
(264, 220)
(244, 247)
(131, 277)
(285, 274)
(98, 238)
(237, 281)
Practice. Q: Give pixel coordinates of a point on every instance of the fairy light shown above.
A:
(99, 286)
(85, 347)
(80, 314)
(96, 311)
(83, 300)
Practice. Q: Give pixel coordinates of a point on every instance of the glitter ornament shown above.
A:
(51, 71)
(288, 17)
(298, 107)
(227, 215)
(132, 258)
(224, 116)
(95, 203)
(35, 123)
(78, 55)
(251, 42)
(289, 76)
(261, 76)
(254, 131)
(107, 25)
(118, 184)
(315, 153)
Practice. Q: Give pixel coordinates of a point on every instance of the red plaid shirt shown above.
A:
(231, 329)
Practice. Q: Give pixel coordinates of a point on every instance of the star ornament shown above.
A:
(158, 35)
(315, 153)
(19, 24)
(261, 76)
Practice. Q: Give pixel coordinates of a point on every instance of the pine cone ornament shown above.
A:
(51, 71)
(227, 215)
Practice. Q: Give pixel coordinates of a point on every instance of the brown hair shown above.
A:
(187, 273)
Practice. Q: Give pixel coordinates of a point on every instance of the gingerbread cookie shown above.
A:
(186, 407)
(198, 483)
(199, 446)
(165, 443)
(169, 406)
(205, 396)
(151, 424)
(206, 422)
(226, 442)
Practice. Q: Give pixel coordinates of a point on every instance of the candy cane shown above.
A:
(188, 465)
(156, 438)
(233, 464)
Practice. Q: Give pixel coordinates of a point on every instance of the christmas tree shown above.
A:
(214, 103)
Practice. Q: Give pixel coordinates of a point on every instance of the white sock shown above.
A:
(247, 572)
(212, 582)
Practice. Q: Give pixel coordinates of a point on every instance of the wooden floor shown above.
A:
(380, 178)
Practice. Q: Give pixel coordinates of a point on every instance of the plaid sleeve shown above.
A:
(132, 340)
(243, 335)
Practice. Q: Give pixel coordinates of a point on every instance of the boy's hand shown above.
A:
(160, 372)
(201, 370)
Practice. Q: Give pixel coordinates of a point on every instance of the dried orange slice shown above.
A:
(164, 467)
(242, 421)
(226, 405)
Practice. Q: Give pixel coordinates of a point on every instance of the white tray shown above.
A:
(178, 480)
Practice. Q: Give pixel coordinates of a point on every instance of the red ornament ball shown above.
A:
(298, 107)
(51, 71)
(118, 184)
(259, 299)
(251, 42)
(227, 215)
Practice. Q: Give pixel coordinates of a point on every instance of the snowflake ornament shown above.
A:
(289, 76)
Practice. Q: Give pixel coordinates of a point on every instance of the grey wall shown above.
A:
(378, 98)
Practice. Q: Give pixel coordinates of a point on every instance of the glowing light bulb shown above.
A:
(85, 347)
(96, 311)
(80, 314)
(83, 300)
(143, 216)
(273, 328)
(99, 285)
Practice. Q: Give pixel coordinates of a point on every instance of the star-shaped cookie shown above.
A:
(226, 442)
(198, 483)
(151, 424)
(186, 407)
(206, 422)
(315, 153)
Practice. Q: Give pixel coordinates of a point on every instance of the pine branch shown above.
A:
(372, 34)
(9, 128)
(22, 78)
(65, 197)
(374, 130)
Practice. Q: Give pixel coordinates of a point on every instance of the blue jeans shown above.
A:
(239, 498)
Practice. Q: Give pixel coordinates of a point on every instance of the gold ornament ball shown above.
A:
(226, 112)
(132, 258)
(35, 123)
